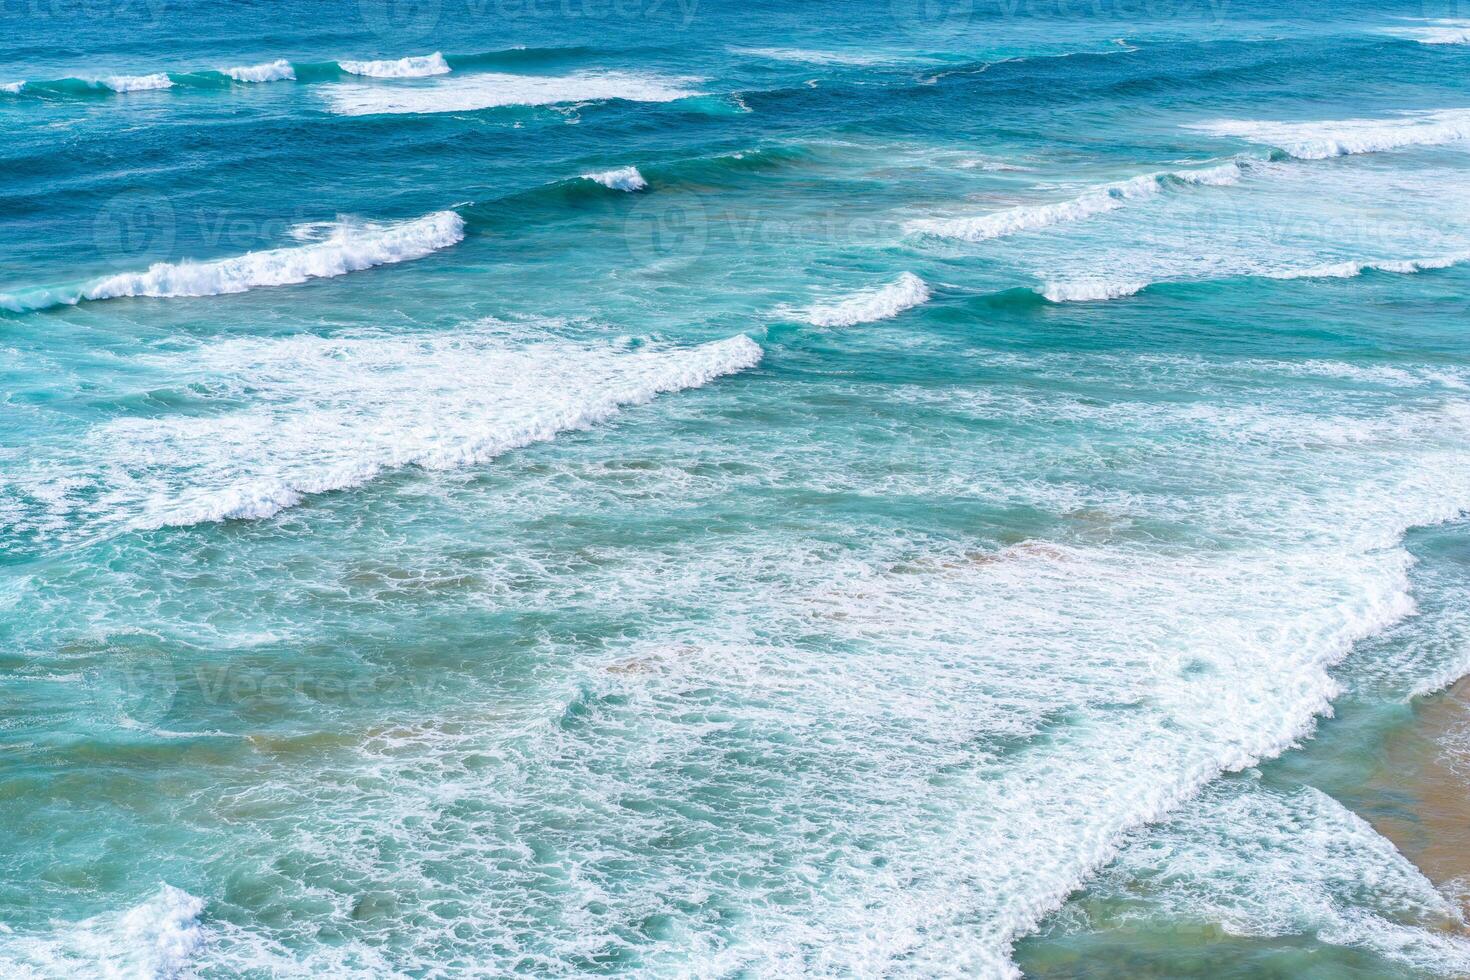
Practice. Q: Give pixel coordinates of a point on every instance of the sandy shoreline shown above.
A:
(1425, 771)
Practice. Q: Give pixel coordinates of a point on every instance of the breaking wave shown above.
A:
(870, 305)
(421, 66)
(1095, 201)
(621, 179)
(1344, 137)
(495, 89)
(273, 71)
(346, 247)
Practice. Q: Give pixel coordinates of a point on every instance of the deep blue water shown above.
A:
(696, 488)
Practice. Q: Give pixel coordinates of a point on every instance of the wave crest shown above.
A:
(870, 305)
(341, 411)
(1088, 290)
(1345, 137)
(350, 247)
(420, 66)
(279, 70)
(621, 179)
(1095, 201)
(137, 83)
(491, 90)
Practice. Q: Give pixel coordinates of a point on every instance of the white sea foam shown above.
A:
(870, 305)
(976, 730)
(621, 179)
(156, 940)
(491, 89)
(272, 71)
(336, 412)
(12, 88)
(1086, 290)
(347, 247)
(1266, 862)
(809, 56)
(137, 83)
(1095, 201)
(1353, 268)
(421, 66)
(1342, 137)
(1435, 32)
(987, 164)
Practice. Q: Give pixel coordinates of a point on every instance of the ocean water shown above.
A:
(697, 488)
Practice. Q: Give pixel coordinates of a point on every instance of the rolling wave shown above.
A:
(621, 179)
(1353, 269)
(1102, 288)
(341, 411)
(1344, 137)
(494, 89)
(1088, 290)
(870, 305)
(421, 66)
(348, 247)
(280, 70)
(1435, 32)
(1095, 201)
(137, 83)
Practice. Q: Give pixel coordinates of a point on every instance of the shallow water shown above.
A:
(980, 494)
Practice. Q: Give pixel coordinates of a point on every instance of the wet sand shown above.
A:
(1424, 780)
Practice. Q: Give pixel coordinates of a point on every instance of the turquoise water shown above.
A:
(711, 489)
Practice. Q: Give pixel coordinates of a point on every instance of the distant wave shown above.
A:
(273, 71)
(415, 67)
(1435, 32)
(1095, 201)
(1352, 269)
(808, 56)
(284, 70)
(870, 305)
(278, 70)
(494, 89)
(1088, 290)
(348, 247)
(137, 83)
(621, 179)
(1334, 138)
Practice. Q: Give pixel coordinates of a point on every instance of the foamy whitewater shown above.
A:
(414, 67)
(735, 491)
(868, 306)
(136, 83)
(1320, 140)
(273, 71)
(346, 247)
(488, 90)
(620, 179)
(1436, 32)
(1086, 290)
(1095, 201)
(343, 411)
